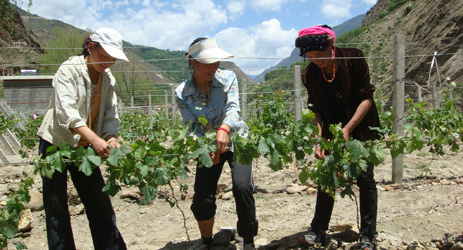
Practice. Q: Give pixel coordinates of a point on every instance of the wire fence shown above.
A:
(152, 96)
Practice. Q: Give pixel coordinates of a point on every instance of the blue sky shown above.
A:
(259, 33)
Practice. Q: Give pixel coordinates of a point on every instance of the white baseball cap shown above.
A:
(207, 52)
(111, 41)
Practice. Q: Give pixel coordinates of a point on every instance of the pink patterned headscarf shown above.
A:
(309, 39)
(317, 30)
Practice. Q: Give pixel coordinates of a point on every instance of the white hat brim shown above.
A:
(212, 55)
(114, 52)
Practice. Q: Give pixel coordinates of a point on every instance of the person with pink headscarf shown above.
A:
(339, 91)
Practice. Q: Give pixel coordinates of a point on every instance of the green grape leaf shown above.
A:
(202, 154)
(93, 157)
(243, 153)
(65, 150)
(357, 150)
(377, 156)
(114, 155)
(58, 162)
(144, 169)
(263, 147)
(304, 175)
(86, 166)
(111, 188)
(149, 193)
(161, 176)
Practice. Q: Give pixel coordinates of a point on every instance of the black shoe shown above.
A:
(206, 243)
(249, 246)
(367, 244)
(313, 238)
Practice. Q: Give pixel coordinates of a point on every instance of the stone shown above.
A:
(36, 201)
(311, 190)
(25, 220)
(129, 195)
(184, 195)
(340, 228)
(227, 196)
(223, 237)
(260, 242)
(295, 189)
(446, 182)
(415, 246)
(332, 245)
(74, 198)
(76, 210)
(388, 188)
(457, 246)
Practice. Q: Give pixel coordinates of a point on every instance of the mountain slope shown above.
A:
(17, 44)
(428, 27)
(142, 58)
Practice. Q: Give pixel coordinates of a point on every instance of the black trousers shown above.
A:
(368, 205)
(205, 187)
(100, 213)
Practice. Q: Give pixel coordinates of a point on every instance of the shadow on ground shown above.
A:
(290, 242)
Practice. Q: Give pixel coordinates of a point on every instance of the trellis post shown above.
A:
(399, 102)
(297, 92)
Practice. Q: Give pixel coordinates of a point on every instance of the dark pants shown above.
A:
(204, 207)
(368, 205)
(100, 213)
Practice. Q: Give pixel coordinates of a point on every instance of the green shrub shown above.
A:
(408, 9)
(395, 4)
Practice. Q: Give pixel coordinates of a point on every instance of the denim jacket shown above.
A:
(222, 107)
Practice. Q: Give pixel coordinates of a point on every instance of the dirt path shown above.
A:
(420, 210)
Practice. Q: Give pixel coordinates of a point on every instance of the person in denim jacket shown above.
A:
(213, 93)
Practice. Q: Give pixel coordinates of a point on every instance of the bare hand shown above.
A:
(319, 154)
(114, 144)
(215, 157)
(346, 134)
(222, 139)
(101, 147)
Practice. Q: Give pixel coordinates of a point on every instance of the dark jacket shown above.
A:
(353, 77)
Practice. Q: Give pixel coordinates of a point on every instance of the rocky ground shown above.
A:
(421, 213)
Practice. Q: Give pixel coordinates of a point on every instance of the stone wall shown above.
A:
(27, 95)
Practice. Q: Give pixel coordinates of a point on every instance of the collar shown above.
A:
(191, 89)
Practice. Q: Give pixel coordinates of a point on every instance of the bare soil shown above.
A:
(417, 213)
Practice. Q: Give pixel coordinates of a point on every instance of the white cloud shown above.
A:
(336, 10)
(370, 2)
(236, 9)
(122, 3)
(267, 5)
(259, 46)
(171, 29)
(162, 24)
(174, 24)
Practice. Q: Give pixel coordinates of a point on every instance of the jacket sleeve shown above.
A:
(231, 110)
(111, 119)
(310, 94)
(366, 89)
(66, 86)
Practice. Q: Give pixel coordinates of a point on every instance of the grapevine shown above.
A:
(157, 149)
(10, 213)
